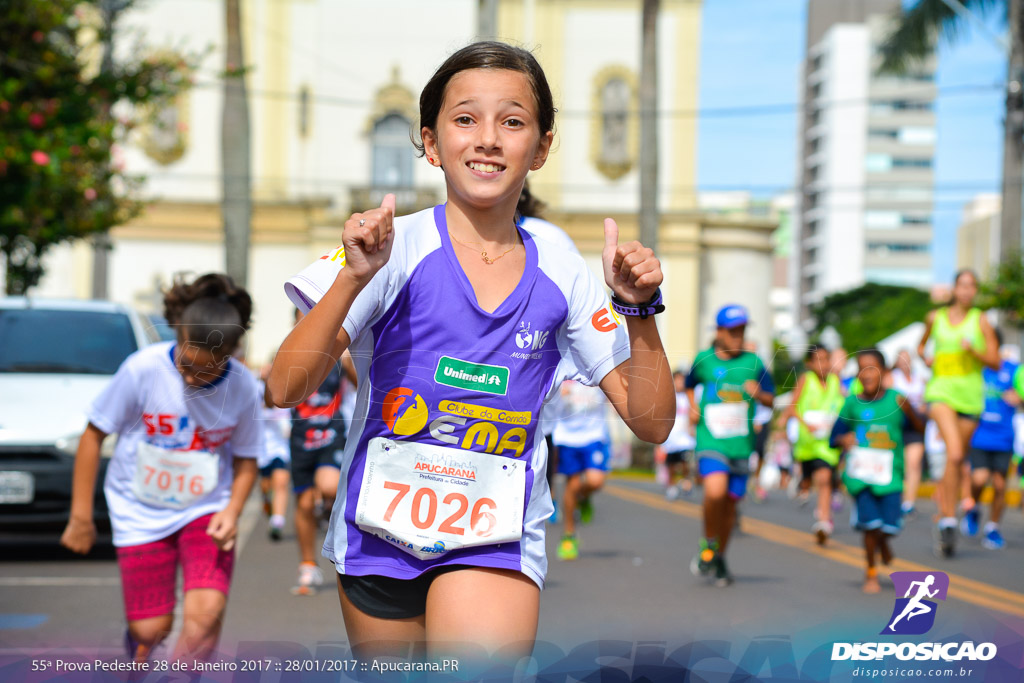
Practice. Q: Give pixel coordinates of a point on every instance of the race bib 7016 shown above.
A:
(173, 479)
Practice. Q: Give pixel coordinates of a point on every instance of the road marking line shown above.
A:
(961, 587)
(59, 581)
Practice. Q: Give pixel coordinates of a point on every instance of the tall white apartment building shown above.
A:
(867, 145)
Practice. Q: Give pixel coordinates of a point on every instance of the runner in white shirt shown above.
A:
(584, 448)
(910, 382)
(680, 444)
(274, 463)
(461, 325)
(185, 462)
(530, 209)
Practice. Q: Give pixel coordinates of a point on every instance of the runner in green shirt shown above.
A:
(815, 403)
(869, 430)
(732, 380)
(964, 343)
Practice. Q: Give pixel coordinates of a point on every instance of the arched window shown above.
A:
(615, 98)
(614, 137)
(392, 152)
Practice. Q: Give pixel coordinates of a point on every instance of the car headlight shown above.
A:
(69, 445)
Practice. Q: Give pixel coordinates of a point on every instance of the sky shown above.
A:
(756, 61)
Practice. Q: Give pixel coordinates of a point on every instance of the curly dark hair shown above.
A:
(210, 312)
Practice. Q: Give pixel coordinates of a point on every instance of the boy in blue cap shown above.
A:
(734, 380)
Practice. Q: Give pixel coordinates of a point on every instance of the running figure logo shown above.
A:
(914, 612)
(404, 411)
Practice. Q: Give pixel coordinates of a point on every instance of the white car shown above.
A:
(55, 358)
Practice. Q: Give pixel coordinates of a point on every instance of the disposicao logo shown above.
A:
(404, 411)
(913, 615)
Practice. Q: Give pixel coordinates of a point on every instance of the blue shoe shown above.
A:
(131, 646)
(993, 539)
(969, 524)
(553, 519)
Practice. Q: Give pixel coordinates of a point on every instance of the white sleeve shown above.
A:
(309, 286)
(597, 342)
(118, 406)
(247, 438)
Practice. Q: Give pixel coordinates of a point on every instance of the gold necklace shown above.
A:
(483, 254)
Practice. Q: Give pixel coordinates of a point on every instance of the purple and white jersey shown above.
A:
(445, 460)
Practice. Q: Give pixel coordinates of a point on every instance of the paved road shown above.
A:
(630, 586)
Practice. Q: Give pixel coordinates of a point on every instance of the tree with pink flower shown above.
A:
(57, 172)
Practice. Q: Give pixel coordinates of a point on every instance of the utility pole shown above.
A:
(236, 203)
(1013, 140)
(649, 126)
(101, 245)
(487, 20)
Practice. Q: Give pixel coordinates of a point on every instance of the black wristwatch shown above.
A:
(650, 307)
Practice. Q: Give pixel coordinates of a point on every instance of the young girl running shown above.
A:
(964, 343)
(173, 491)
(462, 326)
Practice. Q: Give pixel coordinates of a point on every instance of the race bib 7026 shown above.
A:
(429, 500)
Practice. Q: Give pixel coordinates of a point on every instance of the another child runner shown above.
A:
(584, 455)
(869, 430)
(816, 401)
(733, 380)
(680, 444)
(173, 490)
(992, 448)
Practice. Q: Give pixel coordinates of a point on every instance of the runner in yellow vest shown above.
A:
(964, 343)
(816, 403)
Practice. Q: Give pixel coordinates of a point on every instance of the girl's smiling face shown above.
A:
(487, 137)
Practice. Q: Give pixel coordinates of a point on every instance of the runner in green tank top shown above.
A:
(869, 429)
(964, 343)
(815, 404)
(732, 380)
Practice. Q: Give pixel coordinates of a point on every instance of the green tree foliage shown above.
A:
(785, 370)
(866, 315)
(1005, 290)
(917, 28)
(61, 119)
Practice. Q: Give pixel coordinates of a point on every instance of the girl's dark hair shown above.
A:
(813, 349)
(965, 271)
(210, 312)
(486, 55)
(528, 205)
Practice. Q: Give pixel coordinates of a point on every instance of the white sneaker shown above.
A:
(822, 530)
(310, 577)
(672, 493)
